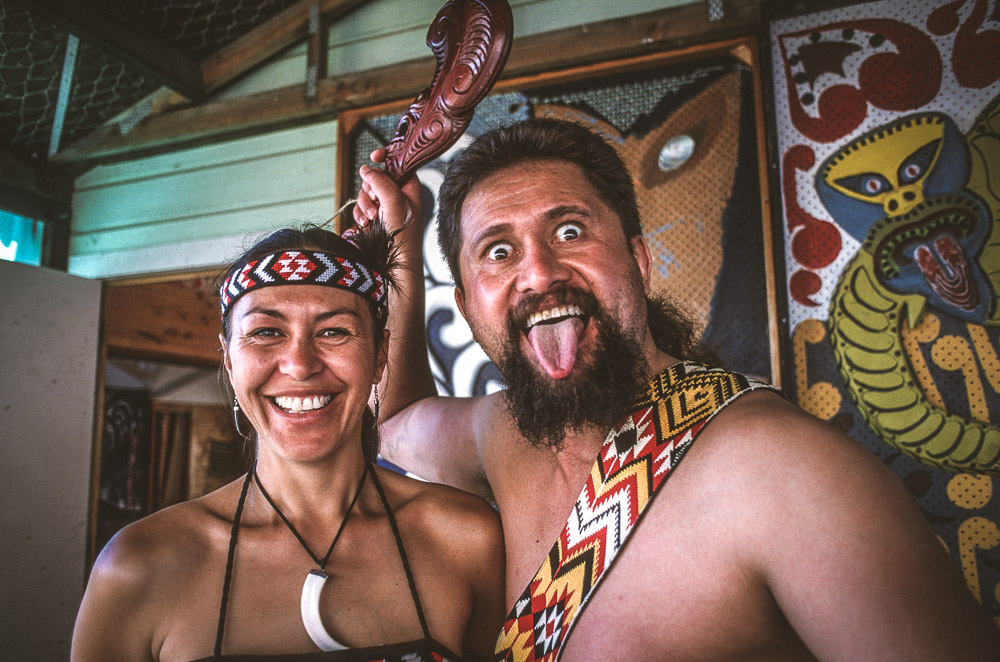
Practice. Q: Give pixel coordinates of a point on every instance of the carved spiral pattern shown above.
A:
(470, 40)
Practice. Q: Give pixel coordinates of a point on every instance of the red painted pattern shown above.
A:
(904, 80)
(975, 53)
(815, 242)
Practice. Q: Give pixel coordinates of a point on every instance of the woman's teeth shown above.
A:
(299, 404)
(554, 313)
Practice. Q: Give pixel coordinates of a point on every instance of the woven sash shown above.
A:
(635, 460)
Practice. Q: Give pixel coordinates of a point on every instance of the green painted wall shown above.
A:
(195, 208)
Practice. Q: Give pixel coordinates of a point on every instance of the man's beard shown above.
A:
(595, 395)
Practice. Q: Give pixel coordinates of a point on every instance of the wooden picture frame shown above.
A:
(713, 197)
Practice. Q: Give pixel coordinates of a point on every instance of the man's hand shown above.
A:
(381, 198)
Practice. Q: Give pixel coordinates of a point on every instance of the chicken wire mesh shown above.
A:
(33, 46)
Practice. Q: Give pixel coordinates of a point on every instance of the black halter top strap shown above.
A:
(402, 556)
(234, 535)
(230, 557)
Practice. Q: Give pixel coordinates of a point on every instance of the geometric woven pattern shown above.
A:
(302, 268)
(635, 460)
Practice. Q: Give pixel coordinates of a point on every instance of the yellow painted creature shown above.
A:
(924, 201)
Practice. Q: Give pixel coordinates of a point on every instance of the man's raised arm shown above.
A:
(431, 436)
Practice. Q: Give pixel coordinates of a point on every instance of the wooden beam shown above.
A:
(276, 34)
(96, 24)
(657, 31)
(174, 321)
(318, 53)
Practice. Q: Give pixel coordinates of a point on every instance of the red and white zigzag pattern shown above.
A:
(303, 268)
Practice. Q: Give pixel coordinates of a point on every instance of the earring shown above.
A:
(236, 416)
(376, 405)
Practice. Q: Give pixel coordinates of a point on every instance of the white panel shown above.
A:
(194, 255)
(247, 184)
(171, 235)
(49, 337)
(277, 142)
(170, 208)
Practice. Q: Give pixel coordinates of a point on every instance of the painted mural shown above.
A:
(888, 135)
(687, 132)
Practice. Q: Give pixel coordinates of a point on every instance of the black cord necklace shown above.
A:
(313, 586)
(320, 562)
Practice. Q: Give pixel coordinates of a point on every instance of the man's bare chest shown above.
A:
(678, 589)
(534, 522)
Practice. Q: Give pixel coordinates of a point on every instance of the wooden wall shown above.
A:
(196, 208)
(176, 320)
(193, 208)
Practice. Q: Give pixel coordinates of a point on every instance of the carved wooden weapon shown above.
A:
(470, 40)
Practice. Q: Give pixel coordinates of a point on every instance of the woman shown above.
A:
(316, 548)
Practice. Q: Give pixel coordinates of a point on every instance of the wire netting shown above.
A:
(33, 47)
(32, 50)
(197, 28)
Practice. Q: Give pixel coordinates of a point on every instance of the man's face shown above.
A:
(541, 253)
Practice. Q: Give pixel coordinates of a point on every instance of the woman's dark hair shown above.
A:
(371, 246)
(533, 140)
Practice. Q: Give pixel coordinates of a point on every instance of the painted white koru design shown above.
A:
(457, 361)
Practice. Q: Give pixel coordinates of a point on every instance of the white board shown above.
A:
(49, 326)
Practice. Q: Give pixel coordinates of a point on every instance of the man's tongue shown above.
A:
(555, 345)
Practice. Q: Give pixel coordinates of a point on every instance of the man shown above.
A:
(776, 538)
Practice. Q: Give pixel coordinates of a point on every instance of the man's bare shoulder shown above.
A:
(442, 511)
(763, 434)
(827, 527)
(791, 518)
(768, 459)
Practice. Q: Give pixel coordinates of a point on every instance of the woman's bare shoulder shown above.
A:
(182, 534)
(146, 570)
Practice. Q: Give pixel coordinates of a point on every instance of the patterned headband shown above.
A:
(304, 268)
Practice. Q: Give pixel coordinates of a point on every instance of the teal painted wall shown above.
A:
(194, 208)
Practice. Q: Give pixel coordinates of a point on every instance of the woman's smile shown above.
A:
(298, 404)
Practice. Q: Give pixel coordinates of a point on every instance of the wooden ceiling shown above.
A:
(193, 71)
(128, 48)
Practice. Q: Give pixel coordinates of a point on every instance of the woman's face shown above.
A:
(302, 360)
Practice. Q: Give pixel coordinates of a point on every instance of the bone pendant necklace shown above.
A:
(313, 586)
